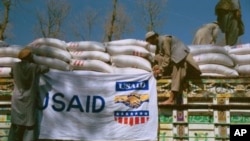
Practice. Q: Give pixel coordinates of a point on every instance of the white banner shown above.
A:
(93, 106)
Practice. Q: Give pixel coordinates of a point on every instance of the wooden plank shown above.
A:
(207, 106)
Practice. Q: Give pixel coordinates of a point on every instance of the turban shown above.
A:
(24, 53)
(150, 34)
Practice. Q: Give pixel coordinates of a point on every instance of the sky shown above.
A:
(181, 18)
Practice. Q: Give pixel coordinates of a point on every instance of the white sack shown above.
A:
(214, 58)
(151, 48)
(243, 70)
(5, 71)
(128, 50)
(48, 51)
(124, 61)
(243, 45)
(8, 61)
(201, 49)
(52, 63)
(86, 46)
(128, 71)
(133, 42)
(91, 65)
(241, 59)
(90, 55)
(49, 42)
(125, 42)
(219, 69)
(240, 51)
(212, 74)
(10, 51)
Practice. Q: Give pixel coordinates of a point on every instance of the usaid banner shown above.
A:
(92, 106)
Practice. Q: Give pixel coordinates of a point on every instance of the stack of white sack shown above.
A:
(8, 56)
(51, 52)
(241, 55)
(90, 56)
(213, 60)
(131, 53)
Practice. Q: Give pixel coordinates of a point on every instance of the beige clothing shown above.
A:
(209, 34)
(173, 55)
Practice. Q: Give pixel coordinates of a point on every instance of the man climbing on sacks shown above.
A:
(172, 56)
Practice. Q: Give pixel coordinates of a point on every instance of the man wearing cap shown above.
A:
(26, 75)
(172, 56)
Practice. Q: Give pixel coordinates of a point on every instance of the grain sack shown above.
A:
(5, 71)
(218, 69)
(128, 71)
(214, 58)
(49, 42)
(52, 52)
(52, 63)
(151, 48)
(240, 51)
(132, 42)
(86, 46)
(8, 61)
(201, 49)
(243, 70)
(241, 59)
(126, 42)
(124, 61)
(10, 51)
(243, 45)
(91, 65)
(91, 55)
(128, 50)
(212, 75)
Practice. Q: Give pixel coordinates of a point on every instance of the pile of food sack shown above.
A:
(124, 56)
(120, 56)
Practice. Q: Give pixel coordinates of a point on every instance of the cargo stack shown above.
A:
(6, 87)
(8, 56)
(210, 105)
(209, 108)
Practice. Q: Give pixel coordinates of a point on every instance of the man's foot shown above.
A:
(167, 102)
(170, 100)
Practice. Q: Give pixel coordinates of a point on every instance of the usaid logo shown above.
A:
(127, 86)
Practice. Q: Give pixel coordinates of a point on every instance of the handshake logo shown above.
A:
(132, 100)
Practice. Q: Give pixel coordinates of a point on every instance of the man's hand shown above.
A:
(156, 70)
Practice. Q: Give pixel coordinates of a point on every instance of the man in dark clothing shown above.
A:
(172, 55)
(229, 20)
(26, 75)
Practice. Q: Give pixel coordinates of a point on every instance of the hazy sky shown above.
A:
(182, 18)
